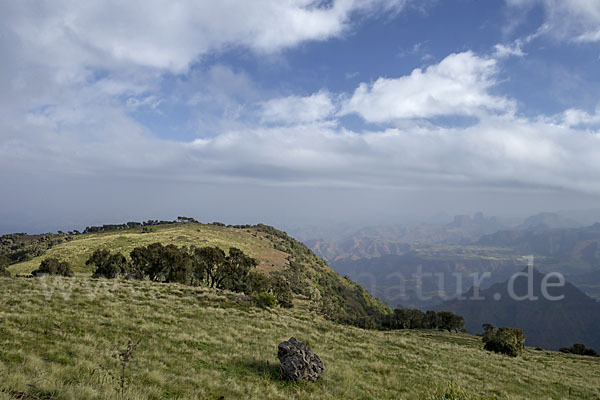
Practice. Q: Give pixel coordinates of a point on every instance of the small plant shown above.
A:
(454, 392)
(124, 358)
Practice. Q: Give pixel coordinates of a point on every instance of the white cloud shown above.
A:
(574, 20)
(514, 49)
(579, 118)
(296, 109)
(458, 85)
(73, 71)
(171, 35)
(500, 151)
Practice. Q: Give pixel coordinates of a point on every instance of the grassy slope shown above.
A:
(342, 300)
(78, 250)
(200, 344)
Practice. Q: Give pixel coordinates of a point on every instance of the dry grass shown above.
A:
(201, 344)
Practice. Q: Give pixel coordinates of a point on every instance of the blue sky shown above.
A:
(296, 111)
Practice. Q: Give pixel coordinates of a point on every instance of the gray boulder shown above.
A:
(298, 361)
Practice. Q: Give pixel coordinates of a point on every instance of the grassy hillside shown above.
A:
(315, 285)
(200, 344)
(76, 251)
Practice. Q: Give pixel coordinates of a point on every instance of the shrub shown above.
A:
(264, 299)
(53, 266)
(162, 263)
(107, 265)
(579, 349)
(234, 270)
(450, 321)
(4, 262)
(281, 291)
(509, 341)
(404, 318)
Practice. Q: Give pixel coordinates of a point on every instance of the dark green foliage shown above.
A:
(281, 291)
(264, 299)
(509, 341)
(403, 318)
(209, 265)
(4, 262)
(579, 349)
(162, 263)
(128, 225)
(53, 266)
(108, 265)
(235, 270)
(450, 321)
(177, 264)
(20, 247)
(257, 282)
(431, 320)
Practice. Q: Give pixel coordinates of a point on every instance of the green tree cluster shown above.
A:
(53, 266)
(579, 349)
(404, 318)
(108, 265)
(206, 266)
(509, 341)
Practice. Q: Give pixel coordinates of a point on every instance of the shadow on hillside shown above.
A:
(265, 369)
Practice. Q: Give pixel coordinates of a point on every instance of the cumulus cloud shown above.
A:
(296, 109)
(574, 20)
(458, 85)
(74, 72)
(579, 118)
(171, 35)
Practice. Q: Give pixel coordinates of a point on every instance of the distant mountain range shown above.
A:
(341, 242)
(376, 241)
(385, 260)
(549, 324)
(548, 221)
(574, 252)
(394, 278)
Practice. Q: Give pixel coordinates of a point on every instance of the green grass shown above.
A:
(77, 251)
(201, 344)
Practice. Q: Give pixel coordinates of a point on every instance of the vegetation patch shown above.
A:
(509, 341)
(201, 343)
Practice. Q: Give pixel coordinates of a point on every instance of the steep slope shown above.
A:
(314, 283)
(196, 343)
(547, 323)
